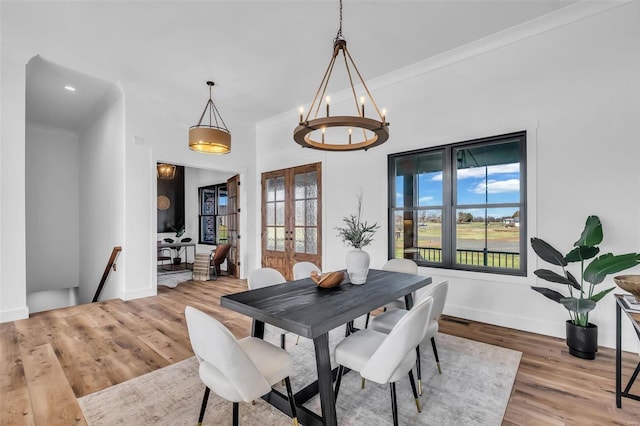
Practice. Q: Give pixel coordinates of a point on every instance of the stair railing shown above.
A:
(111, 265)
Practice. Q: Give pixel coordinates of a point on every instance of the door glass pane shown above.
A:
(312, 185)
(299, 186)
(280, 188)
(271, 238)
(300, 214)
(300, 244)
(311, 241)
(270, 210)
(488, 174)
(222, 231)
(279, 239)
(271, 189)
(280, 213)
(311, 216)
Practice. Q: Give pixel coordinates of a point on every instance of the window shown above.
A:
(213, 214)
(461, 206)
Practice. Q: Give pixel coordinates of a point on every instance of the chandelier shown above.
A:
(166, 171)
(353, 132)
(212, 138)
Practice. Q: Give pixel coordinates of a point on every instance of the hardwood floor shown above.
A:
(48, 360)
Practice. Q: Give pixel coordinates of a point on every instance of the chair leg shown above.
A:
(283, 341)
(366, 322)
(394, 403)
(338, 381)
(215, 273)
(435, 353)
(292, 401)
(419, 369)
(297, 339)
(362, 384)
(415, 391)
(205, 398)
(235, 414)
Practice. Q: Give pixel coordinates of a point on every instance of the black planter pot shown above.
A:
(177, 260)
(582, 341)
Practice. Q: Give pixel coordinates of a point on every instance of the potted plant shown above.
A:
(357, 234)
(582, 336)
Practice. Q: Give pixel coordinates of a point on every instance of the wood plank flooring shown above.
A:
(49, 359)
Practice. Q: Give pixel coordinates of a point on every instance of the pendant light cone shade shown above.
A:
(212, 138)
(354, 132)
(166, 171)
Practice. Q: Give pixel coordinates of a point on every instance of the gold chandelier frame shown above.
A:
(378, 127)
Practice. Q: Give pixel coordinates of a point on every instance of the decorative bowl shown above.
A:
(630, 283)
(328, 279)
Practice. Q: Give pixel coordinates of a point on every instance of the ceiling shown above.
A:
(266, 57)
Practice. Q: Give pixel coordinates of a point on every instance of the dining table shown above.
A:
(307, 310)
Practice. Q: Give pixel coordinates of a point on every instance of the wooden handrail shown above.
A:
(105, 275)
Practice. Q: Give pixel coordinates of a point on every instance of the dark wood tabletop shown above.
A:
(309, 311)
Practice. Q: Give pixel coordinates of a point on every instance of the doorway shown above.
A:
(292, 217)
(208, 220)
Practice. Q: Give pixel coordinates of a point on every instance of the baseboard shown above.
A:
(137, 294)
(14, 314)
(546, 328)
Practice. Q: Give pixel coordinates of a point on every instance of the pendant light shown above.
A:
(166, 171)
(358, 131)
(212, 138)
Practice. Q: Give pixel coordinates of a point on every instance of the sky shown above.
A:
(476, 185)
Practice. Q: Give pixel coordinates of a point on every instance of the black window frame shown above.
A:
(213, 214)
(449, 206)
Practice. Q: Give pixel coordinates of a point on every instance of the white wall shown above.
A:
(13, 294)
(155, 135)
(52, 208)
(102, 186)
(574, 88)
(46, 300)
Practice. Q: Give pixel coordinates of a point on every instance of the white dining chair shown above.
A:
(265, 277)
(386, 358)
(236, 370)
(304, 269)
(386, 321)
(406, 266)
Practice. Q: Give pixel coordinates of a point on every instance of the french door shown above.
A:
(233, 225)
(292, 217)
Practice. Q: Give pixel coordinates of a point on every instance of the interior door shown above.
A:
(233, 224)
(292, 217)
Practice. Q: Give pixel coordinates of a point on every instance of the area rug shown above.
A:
(172, 279)
(473, 389)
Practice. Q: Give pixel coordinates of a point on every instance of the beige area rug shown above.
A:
(473, 389)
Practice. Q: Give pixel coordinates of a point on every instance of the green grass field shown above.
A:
(470, 237)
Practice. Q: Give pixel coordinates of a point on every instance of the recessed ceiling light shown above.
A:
(70, 88)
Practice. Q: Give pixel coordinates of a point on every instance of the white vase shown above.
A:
(357, 266)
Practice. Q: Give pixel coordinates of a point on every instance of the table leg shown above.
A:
(325, 379)
(618, 355)
(408, 301)
(257, 329)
